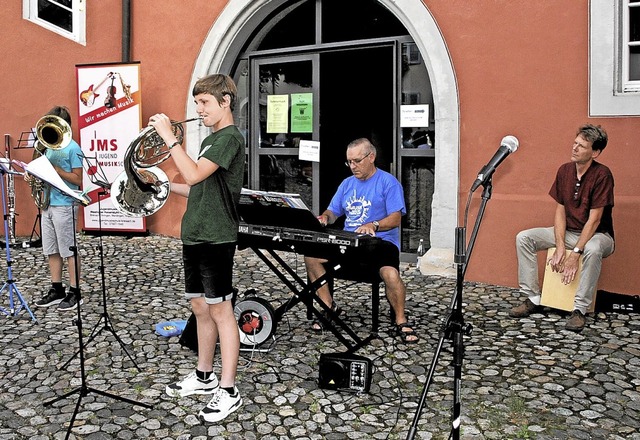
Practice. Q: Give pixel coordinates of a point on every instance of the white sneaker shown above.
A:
(192, 385)
(221, 405)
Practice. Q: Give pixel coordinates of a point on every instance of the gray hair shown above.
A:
(363, 141)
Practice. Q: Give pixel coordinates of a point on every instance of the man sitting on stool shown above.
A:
(373, 202)
(583, 190)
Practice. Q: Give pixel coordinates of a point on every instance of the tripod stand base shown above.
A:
(96, 331)
(15, 308)
(32, 243)
(35, 240)
(84, 391)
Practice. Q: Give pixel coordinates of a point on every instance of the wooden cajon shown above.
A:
(557, 295)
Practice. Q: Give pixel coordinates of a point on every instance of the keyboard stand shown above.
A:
(305, 293)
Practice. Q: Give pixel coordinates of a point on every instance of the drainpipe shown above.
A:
(126, 31)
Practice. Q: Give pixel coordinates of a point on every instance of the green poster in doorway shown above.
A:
(302, 112)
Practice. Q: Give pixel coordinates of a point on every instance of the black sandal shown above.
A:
(404, 335)
(317, 325)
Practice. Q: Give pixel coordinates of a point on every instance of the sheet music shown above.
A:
(291, 200)
(43, 170)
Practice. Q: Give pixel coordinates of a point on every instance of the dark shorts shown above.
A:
(208, 271)
(368, 261)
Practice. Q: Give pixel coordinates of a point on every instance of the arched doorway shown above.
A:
(240, 22)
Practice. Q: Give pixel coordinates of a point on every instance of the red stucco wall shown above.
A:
(522, 69)
(39, 72)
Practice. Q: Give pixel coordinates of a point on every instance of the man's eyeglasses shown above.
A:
(356, 161)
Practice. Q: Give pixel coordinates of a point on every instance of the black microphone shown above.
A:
(508, 145)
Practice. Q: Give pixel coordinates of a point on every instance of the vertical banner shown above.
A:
(110, 117)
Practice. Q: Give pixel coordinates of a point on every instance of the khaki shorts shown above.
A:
(58, 234)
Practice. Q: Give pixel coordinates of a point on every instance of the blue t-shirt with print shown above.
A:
(66, 158)
(372, 199)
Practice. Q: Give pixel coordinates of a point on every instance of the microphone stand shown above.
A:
(83, 389)
(454, 327)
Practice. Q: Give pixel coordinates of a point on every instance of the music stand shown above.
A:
(97, 177)
(42, 171)
(10, 285)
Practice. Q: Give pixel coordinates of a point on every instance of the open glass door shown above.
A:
(284, 111)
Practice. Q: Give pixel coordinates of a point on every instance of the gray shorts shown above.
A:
(57, 230)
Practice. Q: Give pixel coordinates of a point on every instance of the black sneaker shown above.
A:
(69, 302)
(51, 298)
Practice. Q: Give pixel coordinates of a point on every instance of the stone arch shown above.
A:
(220, 48)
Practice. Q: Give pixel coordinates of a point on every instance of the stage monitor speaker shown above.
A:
(345, 372)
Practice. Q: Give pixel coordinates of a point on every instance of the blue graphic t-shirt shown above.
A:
(365, 201)
(66, 158)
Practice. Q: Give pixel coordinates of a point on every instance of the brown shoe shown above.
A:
(523, 310)
(576, 321)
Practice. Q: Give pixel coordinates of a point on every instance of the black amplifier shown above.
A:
(617, 302)
(345, 372)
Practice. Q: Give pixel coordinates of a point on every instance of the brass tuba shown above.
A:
(54, 133)
(143, 188)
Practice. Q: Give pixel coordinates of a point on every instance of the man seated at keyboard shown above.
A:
(372, 202)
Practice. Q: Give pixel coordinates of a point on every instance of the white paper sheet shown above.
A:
(43, 170)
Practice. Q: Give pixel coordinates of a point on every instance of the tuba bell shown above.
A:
(143, 188)
(54, 133)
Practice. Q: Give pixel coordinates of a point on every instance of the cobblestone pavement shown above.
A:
(527, 378)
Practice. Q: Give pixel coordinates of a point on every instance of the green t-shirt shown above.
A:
(209, 218)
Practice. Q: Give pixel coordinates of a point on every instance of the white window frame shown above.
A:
(627, 84)
(608, 93)
(78, 14)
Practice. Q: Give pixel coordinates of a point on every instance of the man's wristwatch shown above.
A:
(577, 250)
(376, 224)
